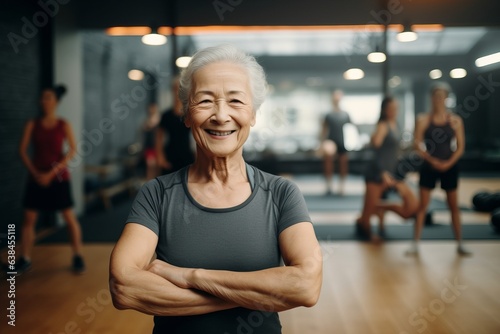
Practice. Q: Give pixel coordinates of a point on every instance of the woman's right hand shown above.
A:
(387, 180)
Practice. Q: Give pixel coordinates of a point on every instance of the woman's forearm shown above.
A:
(60, 165)
(149, 293)
(27, 162)
(276, 289)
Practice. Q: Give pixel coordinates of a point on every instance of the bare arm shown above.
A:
(298, 283)
(133, 286)
(60, 165)
(419, 145)
(23, 147)
(457, 125)
(379, 134)
(324, 131)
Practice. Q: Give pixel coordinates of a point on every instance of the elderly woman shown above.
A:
(220, 227)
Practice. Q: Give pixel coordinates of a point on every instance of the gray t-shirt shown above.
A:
(335, 121)
(240, 238)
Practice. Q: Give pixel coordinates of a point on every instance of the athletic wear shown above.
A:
(177, 149)
(438, 141)
(48, 147)
(385, 157)
(55, 197)
(78, 264)
(47, 152)
(240, 238)
(429, 176)
(335, 121)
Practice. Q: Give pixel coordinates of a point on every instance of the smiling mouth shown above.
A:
(220, 133)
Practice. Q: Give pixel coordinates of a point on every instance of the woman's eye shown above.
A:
(235, 101)
(205, 101)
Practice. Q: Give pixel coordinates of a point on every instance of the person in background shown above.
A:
(332, 143)
(440, 140)
(176, 152)
(149, 129)
(380, 171)
(232, 242)
(48, 185)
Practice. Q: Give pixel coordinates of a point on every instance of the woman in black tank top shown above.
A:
(435, 135)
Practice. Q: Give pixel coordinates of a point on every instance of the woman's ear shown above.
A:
(187, 120)
(254, 119)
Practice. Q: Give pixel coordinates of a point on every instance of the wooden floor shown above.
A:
(367, 288)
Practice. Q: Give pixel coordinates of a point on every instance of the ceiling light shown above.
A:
(136, 75)
(407, 35)
(182, 62)
(354, 74)
(128, 31)
(435, 74)
(154, 39)
(458, 73)
(488, 60)
(376, 57)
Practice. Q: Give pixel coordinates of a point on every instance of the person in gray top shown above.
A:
(380, 172)
(234, 245)
(332, 143)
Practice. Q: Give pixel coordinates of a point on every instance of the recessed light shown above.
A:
(376, 57)
(182, 62)
(136, 75)
(458, 73)
(488, 60)
(154, 39)
(435, 74)
(354, 74)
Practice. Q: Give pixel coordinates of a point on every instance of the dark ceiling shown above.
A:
(98, 15)
(101, 14)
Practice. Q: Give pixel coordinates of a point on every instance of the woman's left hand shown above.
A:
(441, 165)
(44, 179)
(176, 275)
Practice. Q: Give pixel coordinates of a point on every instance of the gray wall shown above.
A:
(111, 98)
(21, 79)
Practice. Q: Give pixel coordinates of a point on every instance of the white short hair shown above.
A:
(228, 53)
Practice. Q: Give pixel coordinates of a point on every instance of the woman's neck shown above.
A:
(215, 169)
(439, 110)
(51, 115)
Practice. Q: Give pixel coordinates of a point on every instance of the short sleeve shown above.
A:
(292, 206)
(146, 208)
(348, 117)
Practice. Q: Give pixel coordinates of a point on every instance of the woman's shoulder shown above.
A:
(62, 120)
(168, 180)
(423, 119)
(423, 116)
(273, 182)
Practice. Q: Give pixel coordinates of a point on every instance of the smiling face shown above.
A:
(220, 112)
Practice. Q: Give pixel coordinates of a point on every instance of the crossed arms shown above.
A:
(158, 288)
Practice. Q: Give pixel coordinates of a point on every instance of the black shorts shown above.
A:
(55, 197)
(340, 147)
(429, 176)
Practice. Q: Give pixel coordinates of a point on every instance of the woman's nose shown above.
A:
(221, 112)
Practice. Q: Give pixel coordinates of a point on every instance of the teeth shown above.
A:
(217, 133)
